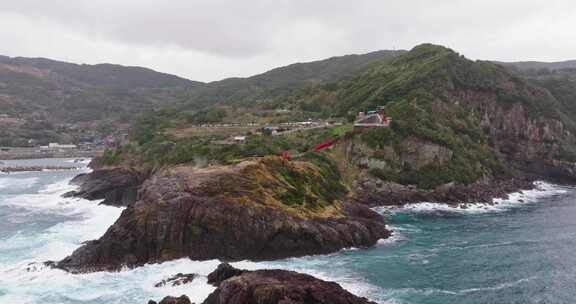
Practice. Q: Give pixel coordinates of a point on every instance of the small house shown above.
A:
(372, 119)
(239, 139)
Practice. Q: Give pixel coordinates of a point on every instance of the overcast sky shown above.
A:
(213, 39)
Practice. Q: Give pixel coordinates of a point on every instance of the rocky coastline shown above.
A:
(239, 212)
(373, 192)
(115, 186)
(235, 286)
(14, 169)
(259, 209)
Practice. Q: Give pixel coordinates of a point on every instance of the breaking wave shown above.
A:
(541, 190)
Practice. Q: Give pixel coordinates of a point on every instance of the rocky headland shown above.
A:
(259, 209)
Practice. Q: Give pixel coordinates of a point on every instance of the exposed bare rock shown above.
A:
(116, 186)
(374, 192)
(223, 272)
(259, 209)
(173, 300)
(277, 287)
(177, 280)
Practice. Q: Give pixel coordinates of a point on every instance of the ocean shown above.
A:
(520, 250)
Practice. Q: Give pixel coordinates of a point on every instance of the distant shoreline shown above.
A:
(36, 155)
(14, 169)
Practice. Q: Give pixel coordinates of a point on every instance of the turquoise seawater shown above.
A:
(521, 250)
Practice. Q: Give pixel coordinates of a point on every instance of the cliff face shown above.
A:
(514, 129)
(458, 126)
(116, 186)
(258, 209)
(536, 142)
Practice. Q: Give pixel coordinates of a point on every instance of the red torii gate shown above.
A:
(317, 148)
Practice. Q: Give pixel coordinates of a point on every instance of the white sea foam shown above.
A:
(12, 183)
(87, 220)
(432, 291)
(396, 237)
(84, 161)
(24, 279)
(137, 285)
(541, 190)
(131, 286)
(49, 200)
(497, 287)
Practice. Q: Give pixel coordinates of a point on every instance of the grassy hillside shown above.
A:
(58, 101)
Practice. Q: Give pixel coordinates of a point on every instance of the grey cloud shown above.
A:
(234, 37)
(243, 28)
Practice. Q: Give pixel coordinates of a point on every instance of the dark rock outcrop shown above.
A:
(177, 280)
(223, 272)
(374, 192)
(96, 163)
(275, 287)
(246, 211)
(173, 300)
(117, 186)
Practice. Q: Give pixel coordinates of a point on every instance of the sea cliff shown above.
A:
(258, 209)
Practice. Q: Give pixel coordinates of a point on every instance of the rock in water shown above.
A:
(260, 209)
(222, 273)
(277, 286)
(177, 280)
(117, 186)
(172, 300)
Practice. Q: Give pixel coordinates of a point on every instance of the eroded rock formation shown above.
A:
(259, 209)
(173, 300)
(116, 186)
(276, 287)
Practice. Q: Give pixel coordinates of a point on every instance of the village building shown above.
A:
(56, 147)
(372, 119)
(240, 139)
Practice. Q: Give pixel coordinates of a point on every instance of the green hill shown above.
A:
(454, 121)
(282, 81)
(557, 77)
(65, 102)
(59, 101)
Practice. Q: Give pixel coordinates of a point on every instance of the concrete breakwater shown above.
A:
(10, 169)
(8, 153)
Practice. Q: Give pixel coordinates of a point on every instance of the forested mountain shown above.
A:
(557, 77)
(45, 100)
(286, 80)
(454, 119)
(537, 65)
